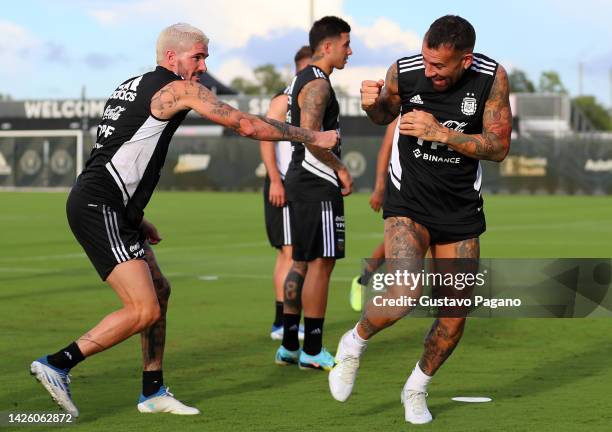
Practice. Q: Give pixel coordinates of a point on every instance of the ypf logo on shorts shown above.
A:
(136, 250)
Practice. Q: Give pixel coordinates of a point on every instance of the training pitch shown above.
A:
(542, 374)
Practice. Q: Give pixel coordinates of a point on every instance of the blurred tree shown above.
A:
(268, 81)
(519, 83)
(5, 97)
(245, 86)
(550, 82)
(596, 113)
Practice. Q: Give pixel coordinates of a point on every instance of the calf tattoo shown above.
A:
(153, 339)
(293, 288)
(440, 342)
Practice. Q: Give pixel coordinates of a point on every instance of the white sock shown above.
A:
(353, 343)
(358, 339)
(418, 380)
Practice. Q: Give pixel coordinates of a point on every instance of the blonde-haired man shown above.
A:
(106, 206)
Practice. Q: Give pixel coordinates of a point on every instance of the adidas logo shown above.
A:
(416, 99)
(316, 331)
(68, 355)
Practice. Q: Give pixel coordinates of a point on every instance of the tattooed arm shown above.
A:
(277, 111)
(184, 95)
(313, 99)
(494, 141)
(382, 105)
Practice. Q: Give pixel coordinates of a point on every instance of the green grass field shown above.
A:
(543, 374)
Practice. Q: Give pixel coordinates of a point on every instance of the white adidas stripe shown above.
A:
(474, 68)
(411, 68)
(110, 236)
(119, 240)
(411, 59)
(318, 73)
(482, 65)
(330, 229)
(286, 225)
(410, 62)
(484, 61)
(324, 230)
(327, 222)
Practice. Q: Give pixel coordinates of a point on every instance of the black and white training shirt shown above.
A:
(126, 161)
(307, 178)
(437, 184)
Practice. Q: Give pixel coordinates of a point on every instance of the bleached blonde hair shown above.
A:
(178, 37)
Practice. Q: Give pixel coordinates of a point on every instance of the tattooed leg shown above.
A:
(446, 331)
(292, 303)
(153, 339)
(442, 339)
(406, 243)
(132, 282)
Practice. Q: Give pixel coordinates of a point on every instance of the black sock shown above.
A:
(278, 316)
(365, 277)
(66, 358)
(291, 325)
(313, 335)
(151, 382)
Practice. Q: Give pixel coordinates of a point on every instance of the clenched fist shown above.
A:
(370, 90)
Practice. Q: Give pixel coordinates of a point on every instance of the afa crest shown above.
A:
(469, 105)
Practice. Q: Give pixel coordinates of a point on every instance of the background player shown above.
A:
(455, 111)
(276, 157)
(376, 202)
(106, 205)
(316, 182)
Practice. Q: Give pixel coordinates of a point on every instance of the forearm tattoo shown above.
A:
(388, 105)
(284, 131)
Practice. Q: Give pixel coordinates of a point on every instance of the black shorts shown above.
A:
(439, 231)
(103, 232)
(317, 229)
(278, 221)
(442, 233)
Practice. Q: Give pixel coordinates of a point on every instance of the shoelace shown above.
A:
(349, 369)
(417, 402)
(168, 392)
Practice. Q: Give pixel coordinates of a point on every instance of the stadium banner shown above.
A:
(488, 288)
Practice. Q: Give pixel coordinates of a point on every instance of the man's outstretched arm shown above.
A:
(182, 95)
